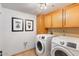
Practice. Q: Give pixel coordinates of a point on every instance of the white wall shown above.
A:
(0, 28)
(14, 41)
(0, 8)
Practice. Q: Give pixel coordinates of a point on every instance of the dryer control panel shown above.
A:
(43, 37)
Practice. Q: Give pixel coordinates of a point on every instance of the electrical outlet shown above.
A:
(0, 53)
(25, 44)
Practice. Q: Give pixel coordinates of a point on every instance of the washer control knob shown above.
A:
(62, 43)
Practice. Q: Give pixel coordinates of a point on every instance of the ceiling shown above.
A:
(34, 8)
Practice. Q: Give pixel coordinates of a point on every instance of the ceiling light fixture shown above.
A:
(43, 6)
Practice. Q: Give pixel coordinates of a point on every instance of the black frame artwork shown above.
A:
(17, 24)
(29, 25)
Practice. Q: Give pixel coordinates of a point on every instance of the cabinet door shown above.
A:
(48, 21)
(72, 16)
(57, 19)
(40, 25)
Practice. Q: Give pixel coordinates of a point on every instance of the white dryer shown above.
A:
(65, 46)
(43, 44)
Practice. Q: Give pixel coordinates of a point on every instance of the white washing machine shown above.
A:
(65, 46)
(43, 44)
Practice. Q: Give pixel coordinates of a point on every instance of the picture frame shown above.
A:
(17, 24)
(29, 24)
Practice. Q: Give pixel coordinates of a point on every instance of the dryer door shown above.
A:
(60, 51)
(40, 47)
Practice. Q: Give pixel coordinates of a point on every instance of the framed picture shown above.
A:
(17, 24)
(29, 25)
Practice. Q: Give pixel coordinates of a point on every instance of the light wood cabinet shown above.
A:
(72, 16)
(40, 25)
(61, 18)
(48, 22)
(57, 19)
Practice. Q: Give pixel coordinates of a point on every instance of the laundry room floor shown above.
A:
(30, 52)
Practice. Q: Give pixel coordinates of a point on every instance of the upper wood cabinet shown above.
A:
(48, 22)
(40, 25)
(72, 16)
(64, 17)
(57, 19)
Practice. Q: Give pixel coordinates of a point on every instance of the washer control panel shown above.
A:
(72, 45)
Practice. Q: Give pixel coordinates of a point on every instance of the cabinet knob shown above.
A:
(62, 43)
